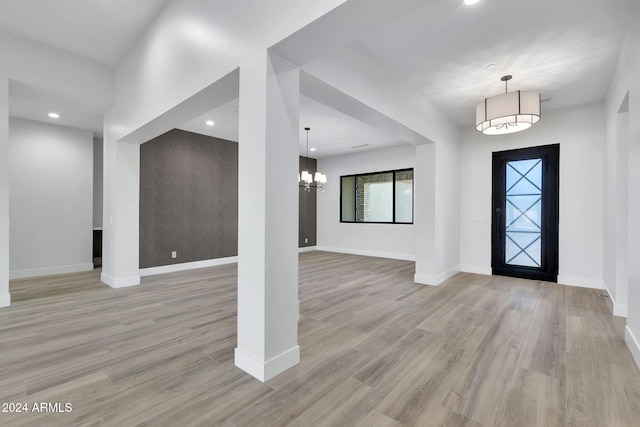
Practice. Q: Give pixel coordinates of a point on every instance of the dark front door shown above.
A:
(525, 213)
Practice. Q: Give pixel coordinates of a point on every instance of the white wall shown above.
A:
(51, 198)
(436, 225)
(43, 79)
(189, 46)
(73, 77)
(580, 133)
(5, 298)
(192, 44)
(623, 175)
(385, 240)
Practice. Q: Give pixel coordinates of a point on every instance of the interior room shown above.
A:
(335, 212)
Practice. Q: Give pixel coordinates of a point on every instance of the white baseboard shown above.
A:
(5, 300)
(476, 269)
(581, 282)
(172, 268)
(426, 279)
(633, 344)
(378, 254)
(611, 301)
(120, 282)
(265, 370)
(307, 249)
(50, 271)
(620, 310)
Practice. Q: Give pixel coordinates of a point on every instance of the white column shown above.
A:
(621, 211)
(268, 216)
(632, 333)
(425, 214)
(5, 298)
(120, 250)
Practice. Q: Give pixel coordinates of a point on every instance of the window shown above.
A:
(380, 197)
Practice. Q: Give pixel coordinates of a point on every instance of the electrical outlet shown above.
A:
(174, 254)
(306, 240)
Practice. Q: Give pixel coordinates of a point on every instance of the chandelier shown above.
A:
(307, 178)
(509, 112)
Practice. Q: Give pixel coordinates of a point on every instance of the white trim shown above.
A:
(120, 283)
(265, 370)
(378, 254)
(476, 269)
(610, 302)
(5, 300)
(50, 271)
(426, 279)
(581, 282)
(307, 249)
(620, 310)
(633, 344)
(163, 269)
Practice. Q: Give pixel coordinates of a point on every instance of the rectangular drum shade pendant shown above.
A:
(508, 113)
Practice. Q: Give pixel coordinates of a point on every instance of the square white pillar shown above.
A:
(5, 298)
(425, 214)
(632, 332)
(120, 254)
(268, 216)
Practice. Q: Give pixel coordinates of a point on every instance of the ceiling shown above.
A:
(225, 119)
(332, 132)
(566, 50)
(99, 30)
(335, 133)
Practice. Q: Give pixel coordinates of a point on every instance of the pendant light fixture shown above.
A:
(306, 177)
(509, 112)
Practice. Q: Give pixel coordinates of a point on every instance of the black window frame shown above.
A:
(393, 203)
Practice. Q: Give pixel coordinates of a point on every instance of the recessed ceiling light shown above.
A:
(210, 123)
(470, 2)
(312, 149)
(491, 66)
(54, 115)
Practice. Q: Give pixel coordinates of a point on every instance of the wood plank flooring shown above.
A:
(377, 350)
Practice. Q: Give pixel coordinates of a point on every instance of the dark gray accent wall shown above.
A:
(188, 198)
(307, 207)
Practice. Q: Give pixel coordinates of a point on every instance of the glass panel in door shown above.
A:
(523, 222)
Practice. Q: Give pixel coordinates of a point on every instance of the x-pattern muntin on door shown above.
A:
(523, 227)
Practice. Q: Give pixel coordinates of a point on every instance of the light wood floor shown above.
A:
(377, 350)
